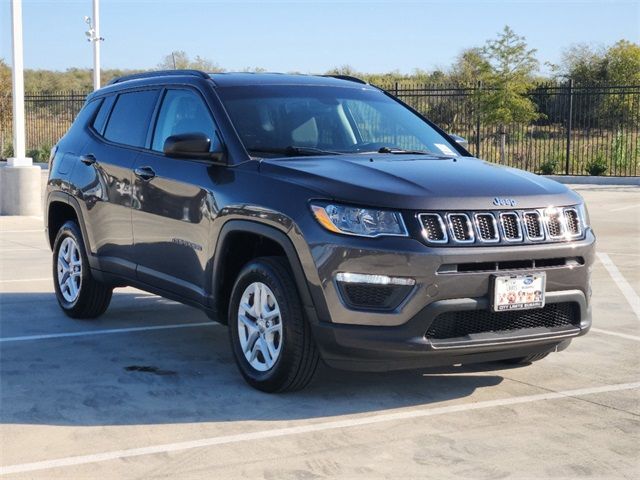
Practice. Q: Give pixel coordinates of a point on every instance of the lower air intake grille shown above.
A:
(461, 324)
(366, 296)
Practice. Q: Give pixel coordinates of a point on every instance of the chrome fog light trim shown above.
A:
(347, 277)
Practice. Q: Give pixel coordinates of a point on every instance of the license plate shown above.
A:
(518, 292)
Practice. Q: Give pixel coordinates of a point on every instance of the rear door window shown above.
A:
(129, 120)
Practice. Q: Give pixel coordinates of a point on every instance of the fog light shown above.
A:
(347, 277)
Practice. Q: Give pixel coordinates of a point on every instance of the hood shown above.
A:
(419, 182)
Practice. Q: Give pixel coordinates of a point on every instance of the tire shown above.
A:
(292, 356)
(89, 298)
(528, 359)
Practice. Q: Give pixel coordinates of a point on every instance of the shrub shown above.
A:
(597, 166)
(549, 167)
(40, 154)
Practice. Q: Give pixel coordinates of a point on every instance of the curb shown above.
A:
(592, 180)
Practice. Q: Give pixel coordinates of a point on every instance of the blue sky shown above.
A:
(309, 36)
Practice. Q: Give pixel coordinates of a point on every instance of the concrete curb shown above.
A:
(591, 180)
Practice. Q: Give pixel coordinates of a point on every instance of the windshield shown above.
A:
(312, 120)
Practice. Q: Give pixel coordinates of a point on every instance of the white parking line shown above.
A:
(309, 428)
(26, 280)
(626, 289)
(110, 331)
(41, 230)
(615, 334)
(628, 207)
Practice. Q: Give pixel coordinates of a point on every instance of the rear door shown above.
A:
(173, 202)
(104, 175)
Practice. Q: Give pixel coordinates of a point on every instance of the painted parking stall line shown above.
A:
(627, 290)
(111, 331)
(310, 428)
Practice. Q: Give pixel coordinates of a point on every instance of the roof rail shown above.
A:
(349, 78)
(160, 73)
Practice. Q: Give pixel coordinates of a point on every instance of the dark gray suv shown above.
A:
(321, 218)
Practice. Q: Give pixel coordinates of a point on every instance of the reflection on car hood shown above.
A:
(419, 182)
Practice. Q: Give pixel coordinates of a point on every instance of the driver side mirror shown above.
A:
(460, 141)
(192, 145)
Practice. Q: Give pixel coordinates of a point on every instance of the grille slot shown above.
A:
(433, 228)
(555, 226)
(533, 225)
(460, 227)
(487, 227)
(450, 325)
(572, 221)
(511, 226)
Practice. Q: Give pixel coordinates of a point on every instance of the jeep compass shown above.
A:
(320, 218)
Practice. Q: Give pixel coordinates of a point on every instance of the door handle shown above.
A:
(88, 159)
(144, 173)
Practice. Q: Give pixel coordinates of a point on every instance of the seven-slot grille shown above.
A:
(511, 226)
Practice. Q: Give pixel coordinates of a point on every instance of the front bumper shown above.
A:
(375, 348)
(378, 341)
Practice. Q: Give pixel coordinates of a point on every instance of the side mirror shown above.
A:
(191, 145)
(460, 141)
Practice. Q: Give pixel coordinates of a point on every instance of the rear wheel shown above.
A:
(270, 338)
(78, 293)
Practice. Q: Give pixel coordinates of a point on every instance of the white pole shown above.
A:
(96, 44)
(17, 75)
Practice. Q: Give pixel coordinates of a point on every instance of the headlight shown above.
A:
(584, 214)
(364, 222)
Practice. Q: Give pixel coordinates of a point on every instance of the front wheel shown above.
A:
(270, 338)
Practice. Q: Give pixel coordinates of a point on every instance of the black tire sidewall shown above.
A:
(70, 229)
(290, 313)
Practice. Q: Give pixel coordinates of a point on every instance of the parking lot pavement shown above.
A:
(150, 390)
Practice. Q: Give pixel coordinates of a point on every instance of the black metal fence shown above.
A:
(581, 129)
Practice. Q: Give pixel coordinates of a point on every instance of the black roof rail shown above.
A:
(160, 73)
(349, 78)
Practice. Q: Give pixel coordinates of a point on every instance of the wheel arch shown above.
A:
(267, 238)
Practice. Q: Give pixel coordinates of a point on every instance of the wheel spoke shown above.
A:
(272, 329)
(257, 293)
(248, 309)
(251, 341)
(254, 352)
(248, 323)
(271, 314)
(266, 353)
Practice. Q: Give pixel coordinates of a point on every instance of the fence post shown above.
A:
(569, 127)
(396, 90)
(478, 87)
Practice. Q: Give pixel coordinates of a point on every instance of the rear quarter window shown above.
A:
(129, 121)
(100, 119)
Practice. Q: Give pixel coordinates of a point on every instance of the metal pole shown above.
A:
(17, 77)
(96, 44)
(479, 86)
(569, 127)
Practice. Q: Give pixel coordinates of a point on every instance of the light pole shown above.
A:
(20, 180)
(93, 36)
(17, 76)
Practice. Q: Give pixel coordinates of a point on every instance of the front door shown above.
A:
(173, 202)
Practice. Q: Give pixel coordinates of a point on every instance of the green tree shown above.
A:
(179, 59)
(6, 115)
(507, 76)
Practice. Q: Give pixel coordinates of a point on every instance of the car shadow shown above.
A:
(176, 375)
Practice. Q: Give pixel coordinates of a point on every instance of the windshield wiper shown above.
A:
(292, 151)
(402, 151)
